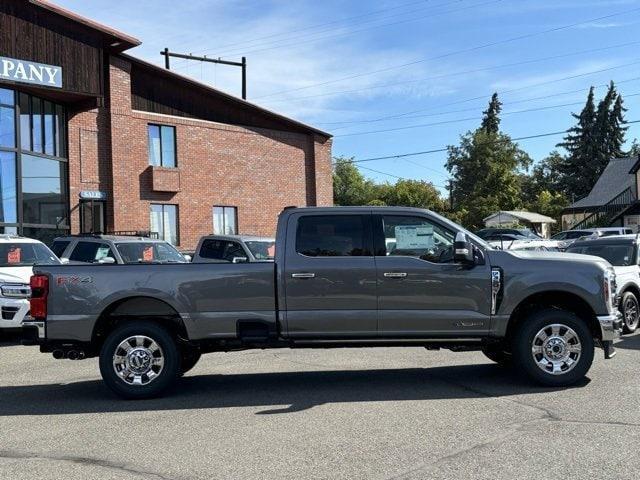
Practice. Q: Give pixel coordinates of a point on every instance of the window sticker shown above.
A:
(102, 252)
(14, 255)
(147, 254)
(271, 250)
(414, 236)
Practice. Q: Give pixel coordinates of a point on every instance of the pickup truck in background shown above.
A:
(342, 276)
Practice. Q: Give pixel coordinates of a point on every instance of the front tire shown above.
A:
(139, 360)
(553, 347)
(630, 309)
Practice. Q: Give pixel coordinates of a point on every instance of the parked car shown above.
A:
(235, 249)
(621, 251)
(568, 237)
(518, 232)
(107, 249)
(532, 245)
(18, 255)
(342, 276)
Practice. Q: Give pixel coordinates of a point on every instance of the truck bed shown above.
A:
(210, 298)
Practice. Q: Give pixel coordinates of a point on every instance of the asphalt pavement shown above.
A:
(380, 413)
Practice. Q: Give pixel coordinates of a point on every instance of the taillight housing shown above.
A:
(39, 290)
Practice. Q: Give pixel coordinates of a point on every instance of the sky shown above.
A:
(398, 77)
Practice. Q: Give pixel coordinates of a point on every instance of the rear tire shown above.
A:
(497, 354)
(553, 347)
(139, 360)
(630, 309)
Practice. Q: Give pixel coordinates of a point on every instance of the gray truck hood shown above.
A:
(499, 256)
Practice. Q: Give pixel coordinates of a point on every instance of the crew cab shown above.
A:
(18, 255)
(342, 276)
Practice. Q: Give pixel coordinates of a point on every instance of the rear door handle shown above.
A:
(395, 274)
(303, 275)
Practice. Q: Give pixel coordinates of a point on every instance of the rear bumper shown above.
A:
(610, 326)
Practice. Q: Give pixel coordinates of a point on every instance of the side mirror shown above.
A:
(239, 260)
(107, 260)
(64, 261)
(462, 249)
(187, 257)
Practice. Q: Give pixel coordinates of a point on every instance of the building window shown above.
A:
(34, 192)
(162, 146)
(225, 220)
(164, 222)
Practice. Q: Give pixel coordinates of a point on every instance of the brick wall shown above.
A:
(257, 170)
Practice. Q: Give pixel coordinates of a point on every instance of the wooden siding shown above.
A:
(154, 91)
(34, 34)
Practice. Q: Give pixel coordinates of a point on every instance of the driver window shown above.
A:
(417, 237)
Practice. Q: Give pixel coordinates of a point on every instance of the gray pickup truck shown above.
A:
(342, 277)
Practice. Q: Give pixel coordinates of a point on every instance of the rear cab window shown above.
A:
(222, 250)
(333, 236)
(59, 246)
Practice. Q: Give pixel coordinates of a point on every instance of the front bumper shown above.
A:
(610, 326)
(13, 312)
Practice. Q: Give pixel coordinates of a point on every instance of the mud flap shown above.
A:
(609, 350)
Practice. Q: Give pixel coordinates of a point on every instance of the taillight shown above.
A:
(39, 291)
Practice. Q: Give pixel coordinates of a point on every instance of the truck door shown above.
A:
(421, 291)
(330, 276)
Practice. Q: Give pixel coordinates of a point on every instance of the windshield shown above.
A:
(262, 250)
(149, 252)
(616, 255)
(458, 228)
(26, 255)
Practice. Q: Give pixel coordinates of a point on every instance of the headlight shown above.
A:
(15, 290)
(609, 289)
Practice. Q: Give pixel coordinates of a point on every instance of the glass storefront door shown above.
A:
(34, 191)
(92, 216)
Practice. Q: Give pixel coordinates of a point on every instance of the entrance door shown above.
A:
(330, 276)
(92, 216)
(421, 291)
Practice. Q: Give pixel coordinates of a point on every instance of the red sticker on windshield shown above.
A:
(147, 254)
(14, 255)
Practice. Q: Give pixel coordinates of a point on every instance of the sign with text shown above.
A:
(25, 71)
(414, 236)
(93, 195)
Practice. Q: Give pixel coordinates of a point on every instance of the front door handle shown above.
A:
(395, 274)
(303, 275)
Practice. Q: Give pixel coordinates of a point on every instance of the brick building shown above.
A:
(93, 139)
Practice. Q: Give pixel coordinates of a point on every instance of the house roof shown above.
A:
(117, 40)
(615, 179)
(530, 217)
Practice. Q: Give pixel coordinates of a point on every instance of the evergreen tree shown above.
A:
(491, 119)
(485, 168)
(617, 129)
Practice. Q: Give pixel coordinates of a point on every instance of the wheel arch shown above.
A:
(558, 299)
(139, 307)
(629, 287)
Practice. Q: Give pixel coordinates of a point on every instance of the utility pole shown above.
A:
(242, 64)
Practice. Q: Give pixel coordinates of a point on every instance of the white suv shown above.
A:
(18, 255)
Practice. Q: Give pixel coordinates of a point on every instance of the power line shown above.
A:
(311, 27)
(474, 109)
(456, 52)
(353, 32)
(395, 176)
(444, 149)
(455, 74)
(458, 120)
(526, 87)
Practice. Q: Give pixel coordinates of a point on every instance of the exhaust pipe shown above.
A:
(58, 354)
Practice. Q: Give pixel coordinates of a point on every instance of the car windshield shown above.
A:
(17, 254)
(616, 255)
(149, 252)
(262, 250)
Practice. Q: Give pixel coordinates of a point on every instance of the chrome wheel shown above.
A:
(630, 309)
(556, 349)
(138, 360)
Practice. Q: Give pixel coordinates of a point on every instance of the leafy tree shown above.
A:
(349, 185)
(486, 168)
(414, 193)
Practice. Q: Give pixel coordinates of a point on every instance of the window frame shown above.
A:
(161, 234)
(367, 235)
(235, 216)
(175, 145)
(60, 149)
